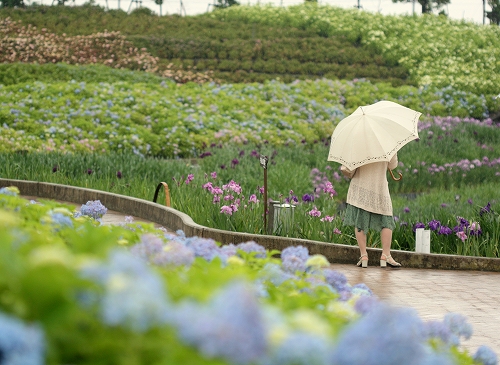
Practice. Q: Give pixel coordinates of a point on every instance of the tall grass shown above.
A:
(296, 175)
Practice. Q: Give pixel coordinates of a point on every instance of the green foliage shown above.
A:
(435, 50)
(18, 73)
(153, 118)
(196, 40)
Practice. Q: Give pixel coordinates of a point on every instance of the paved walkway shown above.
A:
(433, 293)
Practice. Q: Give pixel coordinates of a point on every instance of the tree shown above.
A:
(11, 3)
(427, 5)
(494, 14)
(159, 2)
(225, 3)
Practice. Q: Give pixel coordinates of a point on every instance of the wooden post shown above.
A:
(263, 162)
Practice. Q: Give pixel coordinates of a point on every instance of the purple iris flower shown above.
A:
(434, 225)
(306, 198)
(485, 209)
(445, 230)
(418, 225)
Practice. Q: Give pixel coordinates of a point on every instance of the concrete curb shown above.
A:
(175, 220)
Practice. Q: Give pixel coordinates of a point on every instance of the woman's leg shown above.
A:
(361, 238)
(386, 238)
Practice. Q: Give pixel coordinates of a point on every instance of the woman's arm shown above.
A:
(394, 162)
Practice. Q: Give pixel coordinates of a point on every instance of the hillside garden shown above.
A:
(120, 102)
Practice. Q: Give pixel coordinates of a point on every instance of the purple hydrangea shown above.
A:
(252, 247)
(93, 209)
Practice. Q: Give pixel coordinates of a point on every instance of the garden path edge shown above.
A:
(174, 220)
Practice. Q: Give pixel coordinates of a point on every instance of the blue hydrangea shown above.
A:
(61, 220)
(204, 247)
(251, 247)
(229, 250)
(459, 327)
(134, 296)
(384, 336)
(298, 251)
(484, 355)
(365, 304)
(439, 330)
(148, 246)
(361, 289)
(11, 191)
(293, 264)
(273, 273)
(174, 254)
(335, 278)
(20, 344)
(301, 348)
(230, 326)
(94, 209)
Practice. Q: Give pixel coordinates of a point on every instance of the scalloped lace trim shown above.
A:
(369, 200)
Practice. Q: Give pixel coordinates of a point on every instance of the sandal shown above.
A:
(363, 263)
(388, 261)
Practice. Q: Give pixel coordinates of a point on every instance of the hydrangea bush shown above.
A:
(134, 294)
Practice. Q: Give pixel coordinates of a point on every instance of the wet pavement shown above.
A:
(433, 293)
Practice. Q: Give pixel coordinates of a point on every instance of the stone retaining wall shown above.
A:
(176, 220)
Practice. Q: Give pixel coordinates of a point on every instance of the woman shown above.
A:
(369, 206)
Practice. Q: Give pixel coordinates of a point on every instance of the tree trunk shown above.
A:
(426, 6)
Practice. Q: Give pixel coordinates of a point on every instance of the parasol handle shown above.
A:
(394, 177)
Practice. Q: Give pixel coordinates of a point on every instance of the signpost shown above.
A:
(263, 162)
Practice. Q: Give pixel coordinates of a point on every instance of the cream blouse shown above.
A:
(369, 189)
